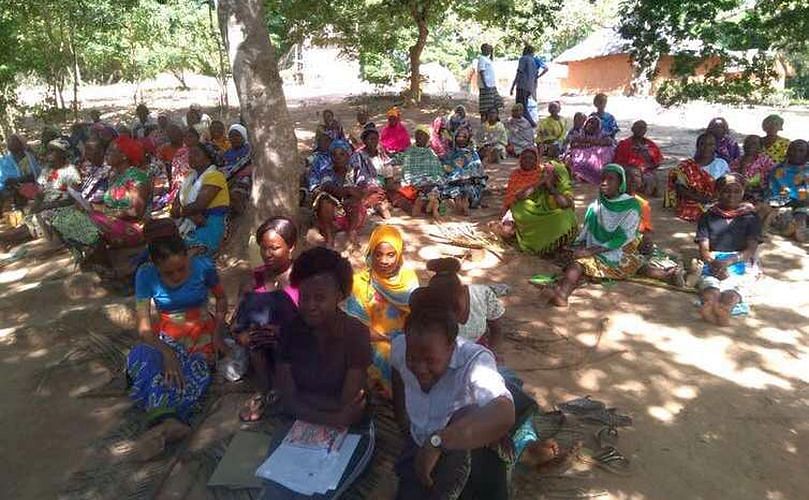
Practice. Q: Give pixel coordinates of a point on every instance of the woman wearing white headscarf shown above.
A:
(238, 168)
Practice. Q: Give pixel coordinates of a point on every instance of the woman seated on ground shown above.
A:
(726, 146)
(454, 406)
(53, 183)
(18, 168)
(590, 149)
(755, 166)
(477, 308)
(772, 144)
(440, 137)
(202, 206)
(607, 246)
(728, 235)
(324, 356)
(459, 120)
(380, 299)
(520, 131)
(394, 136)
(169, 372)
(538, 206)
(422, 176)
(90, 230)
(331, 127)
(608, 122)
(371, 170)
(265, 304)
(94, 172)
(691, 184)
(355, 136)
(789, 190)
(238, 167)
(336, 200)
(552, 130)
(641, 153)
(492, 138)
(180, 167)
(464, 181)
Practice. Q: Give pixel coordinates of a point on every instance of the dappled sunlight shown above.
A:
(718, 355)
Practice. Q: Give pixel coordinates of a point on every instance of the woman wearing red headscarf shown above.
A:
(118, 220)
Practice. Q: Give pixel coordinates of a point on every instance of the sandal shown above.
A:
(608, 458)
(253, 409)
(582, 406)
(606, 436)
(607, 417)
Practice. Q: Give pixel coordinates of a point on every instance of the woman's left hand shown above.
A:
(426, 459)
(198, 219)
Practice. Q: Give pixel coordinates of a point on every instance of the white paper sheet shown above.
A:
(307, 471)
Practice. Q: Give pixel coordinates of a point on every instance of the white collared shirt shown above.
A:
(471, 379)
(486, 70)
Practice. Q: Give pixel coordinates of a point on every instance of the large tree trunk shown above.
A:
(276, 166)
(419, 12)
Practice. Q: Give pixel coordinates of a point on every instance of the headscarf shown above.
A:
(424, 129)
(777, 119)
(599, 129)
(339, 144)
(437, 141)
(617, 169)
(241, 129)
(521, 180)
(612, 222)
(743, 208)
(394, 111)
(130, 148)
(59, 144)
(395, 290)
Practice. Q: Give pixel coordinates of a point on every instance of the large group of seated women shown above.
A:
(94, 189)
(325, 341)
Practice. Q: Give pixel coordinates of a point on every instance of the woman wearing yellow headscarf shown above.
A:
(380, 298)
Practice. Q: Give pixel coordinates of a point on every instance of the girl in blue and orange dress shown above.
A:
(168, 373)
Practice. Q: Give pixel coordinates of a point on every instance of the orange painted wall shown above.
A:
(609, 74)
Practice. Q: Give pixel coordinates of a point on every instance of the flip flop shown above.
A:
(254, 408)
(582, 406)
(608, 417)
(606, 436)
(608, 459)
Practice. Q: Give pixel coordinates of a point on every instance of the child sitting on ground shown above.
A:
(520, 131)
(492, 138)
(422, 175)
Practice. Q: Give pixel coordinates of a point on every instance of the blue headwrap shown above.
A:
(339, 144)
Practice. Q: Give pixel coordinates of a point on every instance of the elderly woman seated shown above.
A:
(117, 221)
(52, 189)
(691, 185)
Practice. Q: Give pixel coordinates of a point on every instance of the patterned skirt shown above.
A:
(149, 390)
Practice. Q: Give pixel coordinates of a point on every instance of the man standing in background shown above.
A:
(488, 98)
(526, 80)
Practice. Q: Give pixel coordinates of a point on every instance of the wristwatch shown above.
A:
(435, 440)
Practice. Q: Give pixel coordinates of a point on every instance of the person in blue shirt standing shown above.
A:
(526, 79)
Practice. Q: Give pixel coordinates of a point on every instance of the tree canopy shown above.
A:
(744, 36)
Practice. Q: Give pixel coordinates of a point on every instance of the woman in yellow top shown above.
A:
(772, 144)
(551, 131)
(380, 298)
(203, 202)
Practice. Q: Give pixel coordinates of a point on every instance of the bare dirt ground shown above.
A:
(718, 412)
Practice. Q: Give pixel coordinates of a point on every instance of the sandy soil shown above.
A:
(718, 412)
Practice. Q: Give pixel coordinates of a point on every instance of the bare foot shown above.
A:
(552, 296)
(151, 444)
(708, 312)
(722, 315)
(175, 430)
